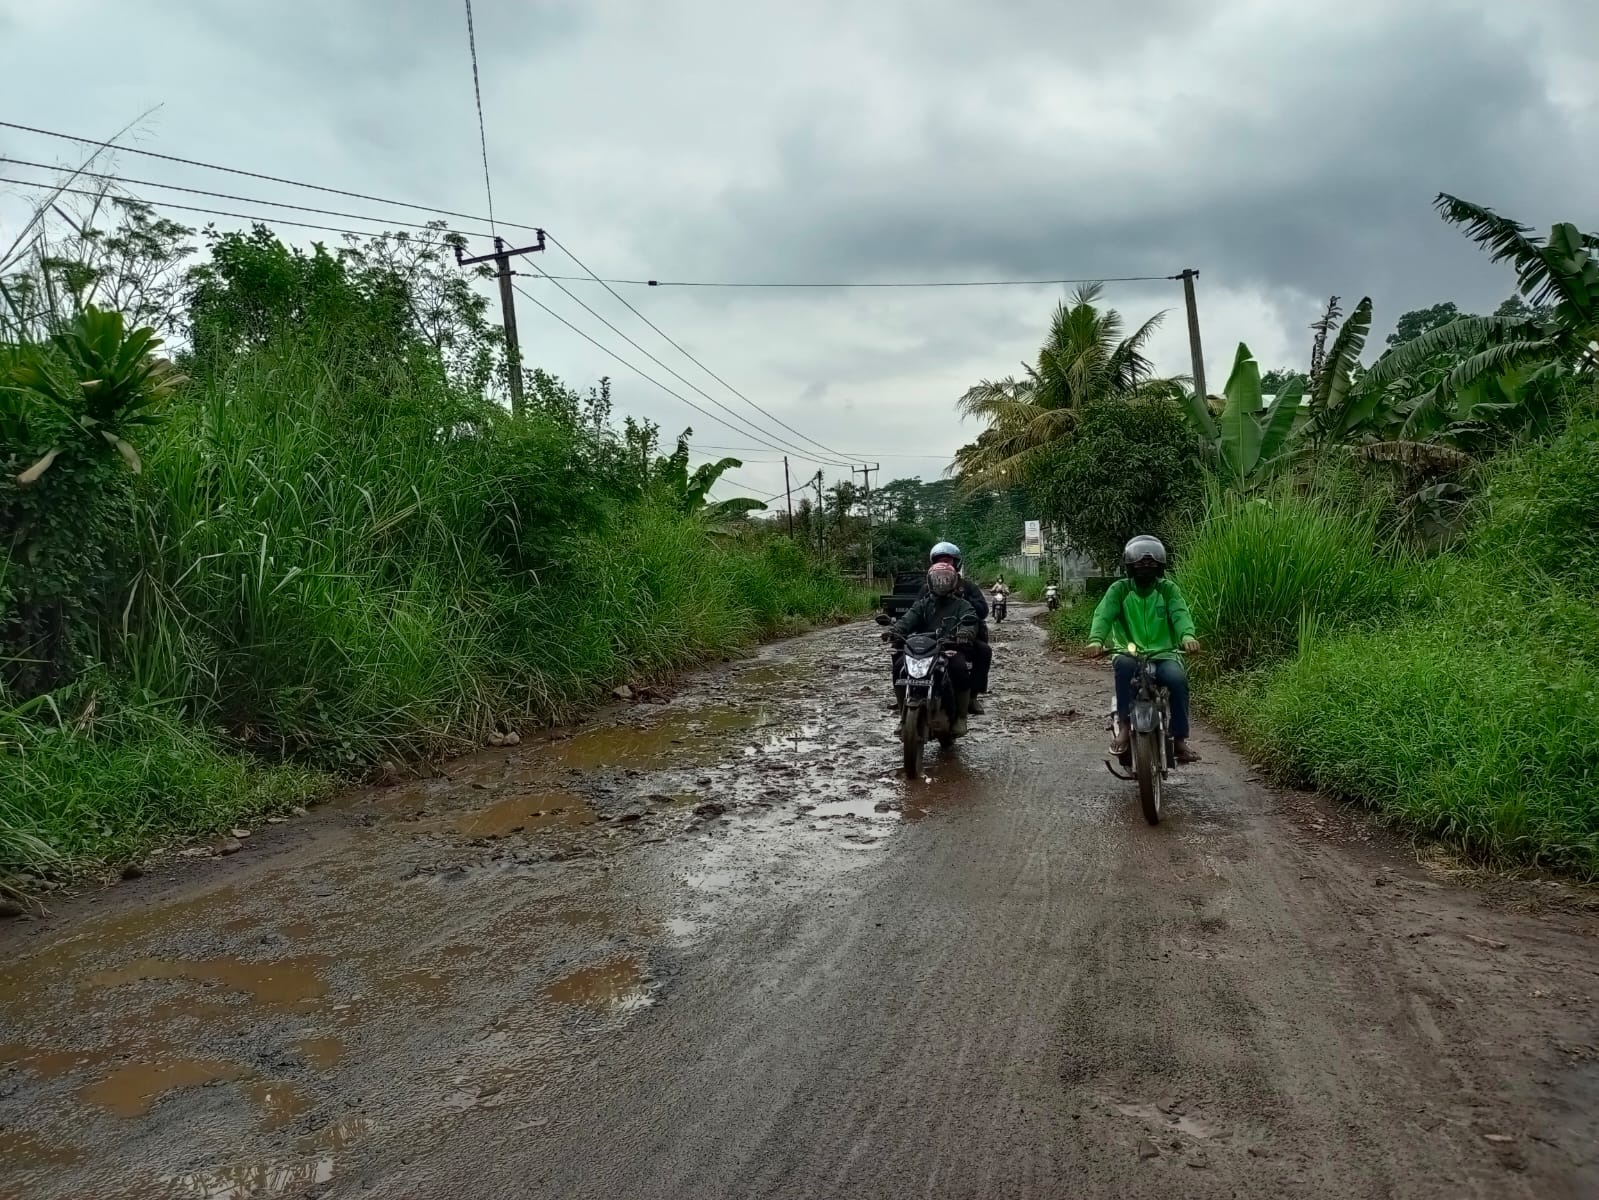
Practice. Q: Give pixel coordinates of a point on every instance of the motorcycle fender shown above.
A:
(1144, 719)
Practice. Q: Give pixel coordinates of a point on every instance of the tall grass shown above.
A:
(1455, 696)
(1256, 571)
(1491, 744)
(342, 559)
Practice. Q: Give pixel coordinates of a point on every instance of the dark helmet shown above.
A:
(1144, 548)
(945, 550)
(942, 579)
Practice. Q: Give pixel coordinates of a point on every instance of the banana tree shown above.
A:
(1247, 445)
(94, 378)
(689, 491)
(1559, 276)
(1338, 405)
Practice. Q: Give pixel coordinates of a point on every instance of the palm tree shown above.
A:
(1084, 358)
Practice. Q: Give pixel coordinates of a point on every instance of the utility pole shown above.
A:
(1188, 276)
(821, 514)
(788, 490)
(871, 547)
(513, 348)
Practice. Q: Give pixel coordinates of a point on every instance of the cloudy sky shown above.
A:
(1285, 150)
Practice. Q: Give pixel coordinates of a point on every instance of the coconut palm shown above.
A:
(1085, 357)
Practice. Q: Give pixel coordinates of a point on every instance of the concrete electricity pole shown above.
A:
(513, 347)
(871, 546)
(1188, 276)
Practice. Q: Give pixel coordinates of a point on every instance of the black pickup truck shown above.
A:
(907, 586)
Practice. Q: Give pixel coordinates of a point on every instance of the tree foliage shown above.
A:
(1132, 468)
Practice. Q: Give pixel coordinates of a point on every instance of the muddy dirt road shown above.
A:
(564, 970)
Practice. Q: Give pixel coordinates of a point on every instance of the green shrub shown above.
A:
(1540, 510)
(1070, 623)
(1488, 739)
(122, 777)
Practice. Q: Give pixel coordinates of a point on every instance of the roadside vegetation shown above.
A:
(1394, 566)
(310, 541)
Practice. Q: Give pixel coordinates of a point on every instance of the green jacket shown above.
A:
(1156, 622)
(930, 612)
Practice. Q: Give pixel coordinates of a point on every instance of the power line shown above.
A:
(769, 416)
(191, 162)
(774, 441)
(482, 137)
(873, 454)
(914, 283)
(636, 370)
(174, 187)
(215, 212)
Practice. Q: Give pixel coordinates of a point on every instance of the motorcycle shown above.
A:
(927, 704)
(998, 607)
(1151, 751)
(1052, 598)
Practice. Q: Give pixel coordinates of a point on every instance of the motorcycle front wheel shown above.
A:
(1147, 753)
(911, 735)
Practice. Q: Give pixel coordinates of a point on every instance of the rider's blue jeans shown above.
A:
(1169, 674)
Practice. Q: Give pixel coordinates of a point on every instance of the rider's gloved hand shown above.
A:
(1191, 645)
(1095, 650)
(887, 635)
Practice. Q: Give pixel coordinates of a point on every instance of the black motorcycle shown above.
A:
(1151, 751)
(998, 607)
(928, 706)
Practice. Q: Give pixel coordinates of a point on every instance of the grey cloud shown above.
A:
(1286, 152)
(1324, 184)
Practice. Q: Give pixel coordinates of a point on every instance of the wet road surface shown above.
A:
(717, 948)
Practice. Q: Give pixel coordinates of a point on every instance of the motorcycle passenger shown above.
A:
(944, 604)
(1150, 611)
(982, 652)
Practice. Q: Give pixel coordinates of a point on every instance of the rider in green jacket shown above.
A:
(1149, 611)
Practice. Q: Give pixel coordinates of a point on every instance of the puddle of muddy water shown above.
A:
(29, 1152)
(679, 738)
(616, 985)
(281, 983)
(526, 814)
(51, 1064)
(132, 1089)
(769, 674)
(323, 1053)
(279, 1102)
(253, 1179)
(316, 1162)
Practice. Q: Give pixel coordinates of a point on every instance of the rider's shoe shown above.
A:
(975, 707)
(1184, 752)
(1120, 742)
(959, 728)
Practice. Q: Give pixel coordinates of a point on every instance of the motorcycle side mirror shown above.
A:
(883, 619)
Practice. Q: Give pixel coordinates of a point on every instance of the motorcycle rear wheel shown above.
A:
(1147, 752)
(911, 735)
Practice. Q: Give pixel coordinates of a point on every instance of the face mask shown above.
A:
(1145, 577)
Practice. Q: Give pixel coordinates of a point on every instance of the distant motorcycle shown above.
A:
(998, 607)
(928, 704)
(1052, 597)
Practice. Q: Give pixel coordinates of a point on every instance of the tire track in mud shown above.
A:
(717, 947)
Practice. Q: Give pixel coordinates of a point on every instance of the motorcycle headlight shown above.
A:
(917, 668)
